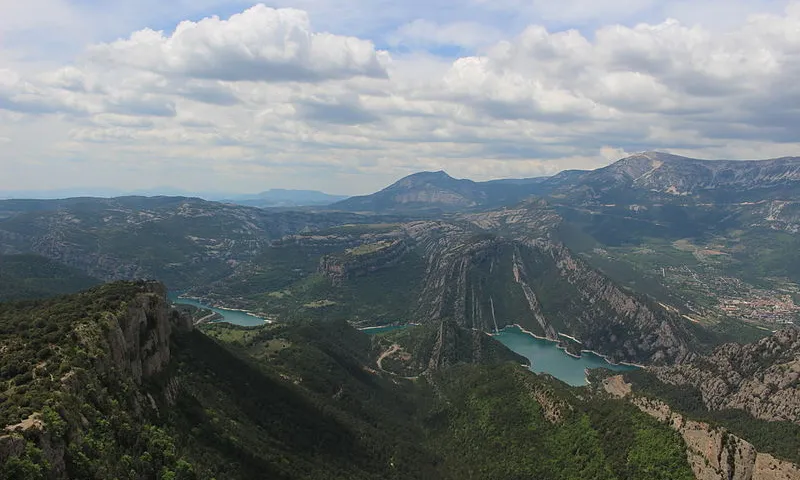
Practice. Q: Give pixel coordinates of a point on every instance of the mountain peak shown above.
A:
(641, 163)
(422, 178)
(430, 175)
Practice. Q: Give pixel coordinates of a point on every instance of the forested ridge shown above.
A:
(301, 400)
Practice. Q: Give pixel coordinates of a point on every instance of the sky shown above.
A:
(347, 96)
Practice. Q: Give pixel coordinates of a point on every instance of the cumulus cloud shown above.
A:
(259, 44)
(23, 96)
(262, 95)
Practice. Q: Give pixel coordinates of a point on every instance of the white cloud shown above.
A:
(262, 99)
(259, 44)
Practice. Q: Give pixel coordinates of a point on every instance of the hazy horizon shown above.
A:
(233, 96)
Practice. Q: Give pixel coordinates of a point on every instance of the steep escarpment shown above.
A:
(762, 378)
(362, 259)
(139, 343)
(508, 267)
(71, 362)
(713, 452)
(111, 384)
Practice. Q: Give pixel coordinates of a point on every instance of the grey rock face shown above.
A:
(139, 344)
(713, 453)
(524, 275)
(375, 256)
(762, 378)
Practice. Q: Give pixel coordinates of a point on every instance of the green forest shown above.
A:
(299, 400)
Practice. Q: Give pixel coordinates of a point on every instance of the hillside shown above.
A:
(438, 191)
(483, 271)
(670, 177)
(736, 408)
(279, 197)
(111, 383)
(181, 241)
(33, 276)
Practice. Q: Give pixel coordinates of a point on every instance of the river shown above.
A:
(546, 357)
(235, 317)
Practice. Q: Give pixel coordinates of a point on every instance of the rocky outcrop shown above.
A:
(487, 281)
(713, 453)
(762, 378)
(363, 259)
(128, 342)
(140, 339)
(13, 443)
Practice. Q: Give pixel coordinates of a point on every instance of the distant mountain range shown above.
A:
(656, 260)
(652, 175)
(277, 197)
(438, 190)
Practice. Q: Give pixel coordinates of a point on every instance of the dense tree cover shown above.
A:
(781, 439)
(458, 345)
(301, 400)
(504, 422)
(32, 276)
(384, 296)
(94, 425)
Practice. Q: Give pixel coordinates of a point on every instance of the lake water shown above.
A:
(546, 357)
(231, 316)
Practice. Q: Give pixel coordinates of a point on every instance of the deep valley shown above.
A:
(687, 269)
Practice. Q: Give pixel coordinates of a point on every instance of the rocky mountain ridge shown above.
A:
(492, 269)
(647, 175)
(661, 177)
(762, 378)
(713, 453)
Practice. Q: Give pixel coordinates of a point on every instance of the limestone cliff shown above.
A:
(119, 338)
(762, 378)
(713, 453)
(139, 343)
(361, 260)
(507, 267)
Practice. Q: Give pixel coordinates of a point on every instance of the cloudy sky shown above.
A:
(348, 95)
